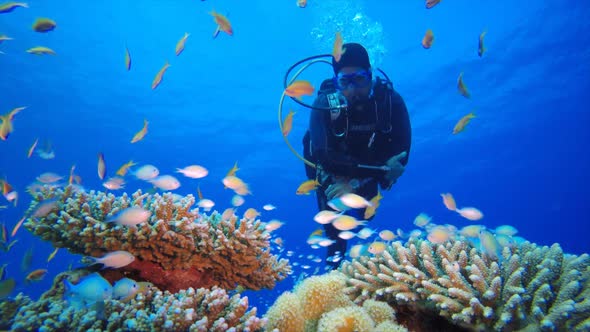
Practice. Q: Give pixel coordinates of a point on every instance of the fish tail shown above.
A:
(69, 287)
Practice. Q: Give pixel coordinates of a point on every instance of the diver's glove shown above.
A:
(340, 187)
(396, 169)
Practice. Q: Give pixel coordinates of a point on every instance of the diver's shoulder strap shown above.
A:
(383, 92)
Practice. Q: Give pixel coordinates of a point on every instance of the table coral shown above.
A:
(176, 239)
(531, 287)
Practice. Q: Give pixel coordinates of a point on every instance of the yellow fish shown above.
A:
(307, 186)
(181, 42)
(462, 88)
(52, 255)
(127, 59)
(6, 126)
(337, 50)
(371, 209)
(122, 171)
(10, 6)
(44, 25)
(460, 126)
(160, 75)
(233, 170)
(6, 287)
(40, 50)
(140, 134)
(428, 39)
(288, 123)
(481, 48)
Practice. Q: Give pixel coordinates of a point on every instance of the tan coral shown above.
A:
(320, 294)
(194, 310)
(379, 311)
(389, 326)
(347, 319)
(286, 314)
(176, 238)
(532, 287)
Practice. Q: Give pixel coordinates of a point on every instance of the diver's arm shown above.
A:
(323, 141)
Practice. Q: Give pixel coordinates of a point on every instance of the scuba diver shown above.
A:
(359, 137)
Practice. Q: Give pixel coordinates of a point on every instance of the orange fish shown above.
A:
(17, 226)
(306, 186)
(222, 24)
(199, 193)
(71, 178)
(428, 39)
(299, 88)
(461, 87)
(180, 44)
(301, 3)
(460, 126)
(288, 123)
(6, 126)
(449, 201)
(127, 59)
(102, 167)
(337, 50)
(141, 134)
(481, 48)
(159, 76)
(9, 193)
(431, 3)
(32, 148)
(36, 275)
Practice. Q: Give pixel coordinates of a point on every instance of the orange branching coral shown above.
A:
(176, 238)
(531, 287)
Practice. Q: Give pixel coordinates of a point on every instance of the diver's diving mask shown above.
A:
(359, 79)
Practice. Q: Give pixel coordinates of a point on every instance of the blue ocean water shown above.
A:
(523, 160)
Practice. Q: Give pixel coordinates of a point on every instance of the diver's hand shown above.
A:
(396, 169)
(338, 189)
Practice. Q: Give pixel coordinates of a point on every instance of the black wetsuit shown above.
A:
(371, 136)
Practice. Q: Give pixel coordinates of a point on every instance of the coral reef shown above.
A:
(9, 308)
(176, 249)
(319, 303)
(153, 310)
(531, 287)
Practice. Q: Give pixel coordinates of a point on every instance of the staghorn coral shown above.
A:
(187, 310)
(198, 250)
(531, 288)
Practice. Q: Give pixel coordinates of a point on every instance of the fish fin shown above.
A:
(216, 32)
